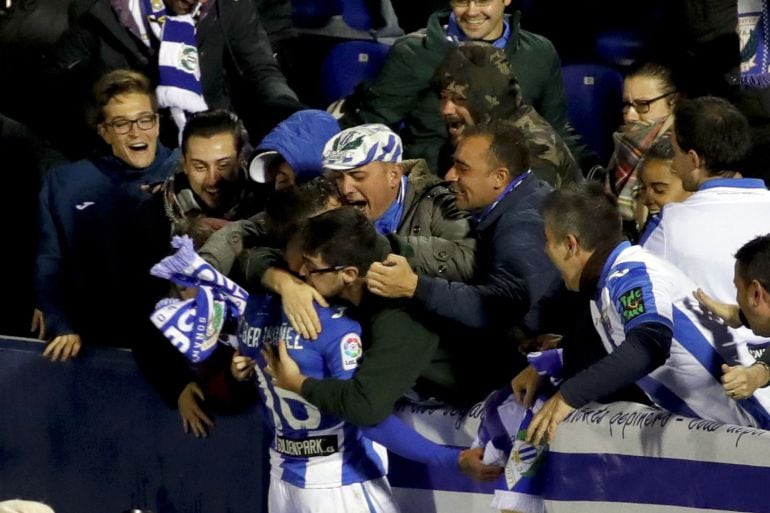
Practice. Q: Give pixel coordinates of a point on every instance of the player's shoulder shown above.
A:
(631, 269)
(336, 314)
(336, 321)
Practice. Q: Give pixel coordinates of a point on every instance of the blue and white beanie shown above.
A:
(360, 145)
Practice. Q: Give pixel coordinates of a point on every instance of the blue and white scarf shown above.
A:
(194, 325)
(389, 221)
(179, 86)
(754, 34)
(478, 217)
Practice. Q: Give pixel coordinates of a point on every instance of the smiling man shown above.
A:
(86, 209)
(402, 198)
(403, 89)
(236, 63)
(492, 180)
(209, 190)
(477, 86)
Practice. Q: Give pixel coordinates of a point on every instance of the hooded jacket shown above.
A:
(481, 74)
(300, 140)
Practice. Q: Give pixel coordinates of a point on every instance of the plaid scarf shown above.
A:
(631, 143)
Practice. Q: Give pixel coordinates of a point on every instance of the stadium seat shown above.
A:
(314, 13)
(621, 48)
(594, 101)
(347, 19)
(356, 14)
(349, 63)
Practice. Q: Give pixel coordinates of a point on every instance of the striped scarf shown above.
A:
(179, 84)
(194, 326)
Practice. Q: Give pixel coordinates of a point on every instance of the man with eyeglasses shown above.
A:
(237, 69)
(403, 92)
(86, 209)
(702, 234)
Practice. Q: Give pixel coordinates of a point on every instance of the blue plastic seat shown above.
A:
(620, 48)
(349, 63)
(314, 13)
(356, 14)
(594, 101)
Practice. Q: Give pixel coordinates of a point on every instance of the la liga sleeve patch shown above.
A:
(351, 351)
(632, 304)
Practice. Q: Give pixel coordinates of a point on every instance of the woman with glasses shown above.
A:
(649, 96)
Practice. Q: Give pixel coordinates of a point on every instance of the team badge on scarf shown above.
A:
(754, 31)
(195, 325)
(179, 86)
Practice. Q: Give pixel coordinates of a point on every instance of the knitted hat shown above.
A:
(360, 145)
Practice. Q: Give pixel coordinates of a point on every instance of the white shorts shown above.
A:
(368, 497)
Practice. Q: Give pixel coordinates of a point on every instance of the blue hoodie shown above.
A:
(86, 210)
(300, 140)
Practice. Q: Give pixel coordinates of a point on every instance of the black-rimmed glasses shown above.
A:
(466, 3)
(643, 106)
(123, 126)
(325, 269)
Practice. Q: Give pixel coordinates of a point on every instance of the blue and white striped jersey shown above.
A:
(637, 287)
(310, 449)
(701, 235)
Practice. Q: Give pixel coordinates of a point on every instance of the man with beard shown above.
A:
(208, 191)
(477, 86)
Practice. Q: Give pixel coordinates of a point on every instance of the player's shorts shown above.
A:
(372, 496)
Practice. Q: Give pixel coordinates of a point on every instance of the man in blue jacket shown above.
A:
(85, 210)
(492, 179)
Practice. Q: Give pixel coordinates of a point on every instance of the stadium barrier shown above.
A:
(91, 435)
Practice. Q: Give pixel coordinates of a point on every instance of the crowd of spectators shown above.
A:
(473, 226)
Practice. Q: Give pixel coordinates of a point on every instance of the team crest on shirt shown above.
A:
(632, 303)
(351, 351)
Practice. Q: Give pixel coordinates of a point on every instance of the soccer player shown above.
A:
(318, 461)
(655, 333)
(752, 276)
(700, 235)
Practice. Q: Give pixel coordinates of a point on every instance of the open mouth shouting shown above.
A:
(455, 126)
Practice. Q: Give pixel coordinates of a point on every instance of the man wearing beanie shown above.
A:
(403, 199)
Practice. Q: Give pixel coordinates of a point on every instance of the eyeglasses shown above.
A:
(466, 3)
(123, 126)
(325, 269)
(643, 106)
